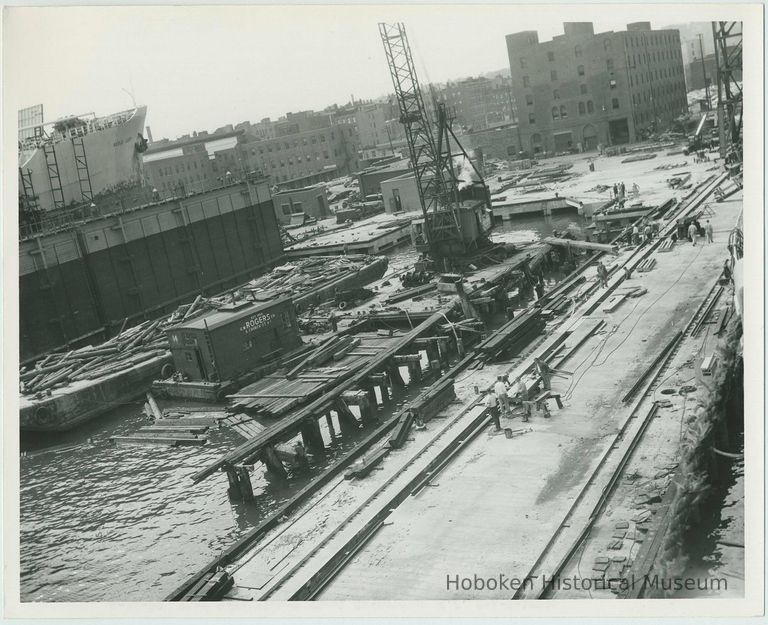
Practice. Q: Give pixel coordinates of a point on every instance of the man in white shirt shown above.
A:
(500, 389)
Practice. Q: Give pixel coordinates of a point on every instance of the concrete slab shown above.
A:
(496, 506)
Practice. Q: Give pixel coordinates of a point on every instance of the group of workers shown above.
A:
(646, 231)
(507, 393)
(694, 231)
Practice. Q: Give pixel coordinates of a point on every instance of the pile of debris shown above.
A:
(300, 274)
(121, 352)
(130, 347)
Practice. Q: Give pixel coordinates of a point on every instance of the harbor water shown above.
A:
(107, 523)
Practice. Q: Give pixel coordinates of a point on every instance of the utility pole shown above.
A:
(704, 69)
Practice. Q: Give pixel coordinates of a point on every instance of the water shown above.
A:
(106, 523)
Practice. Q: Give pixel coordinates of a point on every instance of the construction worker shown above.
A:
(647, 232)
(493, 409)
(522, 393)
(602, 274)
(709, 232)
(546, 372)
(500, 389)
(333, 321)
(692, 233)
(635, 235)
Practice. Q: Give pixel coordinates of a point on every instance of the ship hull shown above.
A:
(111, 156)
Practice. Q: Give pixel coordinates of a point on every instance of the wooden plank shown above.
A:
(144, 440)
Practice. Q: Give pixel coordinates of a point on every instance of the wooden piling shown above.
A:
(272, 462)
(312, 436)
(331, 428)
(347, 419)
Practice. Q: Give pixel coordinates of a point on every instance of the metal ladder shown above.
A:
(83, 175)
(53, 174)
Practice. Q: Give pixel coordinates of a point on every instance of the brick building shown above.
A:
(195, 163)
(582, 89)
(305, 148)
(479, 103)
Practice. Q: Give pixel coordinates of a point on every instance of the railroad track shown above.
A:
(589, 503)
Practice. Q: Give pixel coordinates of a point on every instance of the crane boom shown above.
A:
(432, 179)
(449, 227)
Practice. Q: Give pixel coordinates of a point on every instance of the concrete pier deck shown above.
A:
(492, 511)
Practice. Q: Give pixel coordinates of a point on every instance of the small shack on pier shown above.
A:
(233, 339)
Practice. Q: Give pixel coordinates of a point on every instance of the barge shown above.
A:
(68, 403)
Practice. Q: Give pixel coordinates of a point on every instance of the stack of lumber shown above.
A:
(646, 265)
(127, 349)
(334, 348)
(301, 274)
(666, 246)
(514, 335)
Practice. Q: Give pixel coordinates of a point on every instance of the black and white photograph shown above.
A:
(432, 306)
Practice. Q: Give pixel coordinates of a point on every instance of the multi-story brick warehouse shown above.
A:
(582, 89)
(479, 103)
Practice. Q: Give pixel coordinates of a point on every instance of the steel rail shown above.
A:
(669, 351)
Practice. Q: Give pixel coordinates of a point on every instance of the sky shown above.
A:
(198, 68)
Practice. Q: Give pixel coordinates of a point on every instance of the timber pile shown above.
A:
(302, 274)
(128, 349)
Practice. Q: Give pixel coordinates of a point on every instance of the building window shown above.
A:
(531, 118)
(582, 109)
(612, 83)
(609, 65)
(590, 107)
(529, 99)
(550, 56)
(606, 44)
(563, 111)
(555, 113)
(577, 51)
(523, 62)
(553, 75)
(580, 70)
(526, 81)
(555, 95)
(615, 103)
(583, 89)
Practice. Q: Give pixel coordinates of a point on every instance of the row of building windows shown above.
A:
(649, 58)
(585, 108)
(642, 78)
(287, 146)
(653, 39)
(577, 52)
